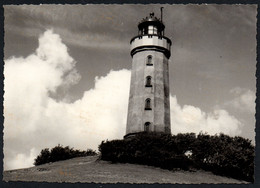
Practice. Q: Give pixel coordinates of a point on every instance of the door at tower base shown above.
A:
(149, 105)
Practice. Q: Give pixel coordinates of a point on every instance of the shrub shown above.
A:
(59, 153)
(225, 155)
(44, 157)
(221, 154)
(148, 149)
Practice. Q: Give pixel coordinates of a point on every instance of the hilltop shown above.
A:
(91, 169)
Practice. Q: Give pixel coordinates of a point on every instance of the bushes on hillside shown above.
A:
(225, 155)
(149, 149)
(221, 154)
(59, 153)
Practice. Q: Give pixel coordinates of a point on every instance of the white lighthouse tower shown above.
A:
(149, 105)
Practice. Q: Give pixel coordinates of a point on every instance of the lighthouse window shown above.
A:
(147, 126)
(148, 104)
(148, 81)
(149, 60)
(155, 30)
(150, 29)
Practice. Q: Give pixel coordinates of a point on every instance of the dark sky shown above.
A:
(216, 42)
(213, 60)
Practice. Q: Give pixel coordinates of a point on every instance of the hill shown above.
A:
(91, 169)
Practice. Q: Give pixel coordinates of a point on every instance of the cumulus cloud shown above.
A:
(22, 160)
(244, 100)
(34, 120)
(192, 119)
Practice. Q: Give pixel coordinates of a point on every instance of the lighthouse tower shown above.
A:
(149, 105)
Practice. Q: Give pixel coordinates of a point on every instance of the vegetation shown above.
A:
(221, 154)
(59, 153)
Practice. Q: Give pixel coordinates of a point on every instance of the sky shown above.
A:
(67, 73)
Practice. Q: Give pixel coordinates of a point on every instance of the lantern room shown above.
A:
(151, 26)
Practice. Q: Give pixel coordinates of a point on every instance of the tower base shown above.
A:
(132, 135)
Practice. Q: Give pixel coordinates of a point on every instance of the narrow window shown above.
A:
(148, 104)
(147, 126)
(149, 60)
(155, 30)
(148, 81)
(150, 29)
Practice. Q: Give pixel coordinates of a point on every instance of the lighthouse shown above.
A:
(149, 104)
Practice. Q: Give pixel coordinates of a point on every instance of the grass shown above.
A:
(90, 169)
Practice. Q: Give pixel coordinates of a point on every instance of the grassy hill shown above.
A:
(91, 169)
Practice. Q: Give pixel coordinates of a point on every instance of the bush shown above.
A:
(225, 155)
(59, 153)
(149, 149)
(44, 157)
(221, 154)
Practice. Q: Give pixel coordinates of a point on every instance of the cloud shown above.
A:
(192, 119)
(34, 120)
(22, 160)
(244, 100)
